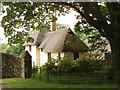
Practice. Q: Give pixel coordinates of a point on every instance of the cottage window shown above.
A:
(76, 55)
(49, 56)
(41, 49)
(30, 48)
(59, 56)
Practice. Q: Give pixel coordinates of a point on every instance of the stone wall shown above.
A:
(12, 67)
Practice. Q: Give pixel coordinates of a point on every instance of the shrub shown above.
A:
(35, 69)
(65, 65)
(84, 65)
(87, 64)
(51, 66)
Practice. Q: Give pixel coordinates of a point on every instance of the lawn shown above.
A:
(36, 83)
(0, 80)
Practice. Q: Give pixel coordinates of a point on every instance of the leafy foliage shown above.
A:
(16, 50)
(61, 26)
(88, 64)
(96, 42)
(104, 16)
(65, 65)
(3, 46)
(84, 65)
(23, 17)
(51, 66)
(35, 69)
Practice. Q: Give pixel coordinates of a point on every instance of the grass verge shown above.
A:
(36, 83)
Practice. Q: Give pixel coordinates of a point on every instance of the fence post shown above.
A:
(40, 73)
(33, 70)
(47, 75)
(60, 75)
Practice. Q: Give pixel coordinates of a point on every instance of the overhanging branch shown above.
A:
(104, 30)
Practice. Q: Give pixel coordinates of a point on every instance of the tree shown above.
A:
(105, 19)
(61, 26)
(87, 33)
(24, 17)
(3, 46)
(15, 50)
(102, 16)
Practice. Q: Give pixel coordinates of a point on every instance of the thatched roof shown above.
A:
(37, 36)
(62, 41)
(58, 41)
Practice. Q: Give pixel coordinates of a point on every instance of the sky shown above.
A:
(68, 19)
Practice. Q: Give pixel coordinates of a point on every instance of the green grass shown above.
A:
(36, 83)
(86, 81)
(0, 80)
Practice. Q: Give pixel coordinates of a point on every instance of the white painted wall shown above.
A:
(40, 58)
(34, 53)
(62, 54)
(55, 55)
(27, 48)
(43, 57)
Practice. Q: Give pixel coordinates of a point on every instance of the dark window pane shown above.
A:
(76, 55)
(30, 48)
(59, 56)
(49, 56)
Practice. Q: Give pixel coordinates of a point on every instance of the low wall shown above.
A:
(12, 67)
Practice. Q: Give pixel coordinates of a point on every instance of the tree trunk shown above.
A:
(115, 51)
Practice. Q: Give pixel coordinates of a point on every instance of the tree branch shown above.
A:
(98, 24)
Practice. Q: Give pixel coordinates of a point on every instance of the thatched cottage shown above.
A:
(52, 44)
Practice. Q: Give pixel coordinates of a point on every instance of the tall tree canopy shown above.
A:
(15, 50)
(33, 16)
(97, 43)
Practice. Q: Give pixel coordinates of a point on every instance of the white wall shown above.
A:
(27, 48)
(43, 57)
(34, 53)
(55, 55)
(40, 58)
(37, 57)
(62, 54)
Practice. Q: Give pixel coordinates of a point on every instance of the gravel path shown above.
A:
(5, 87)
